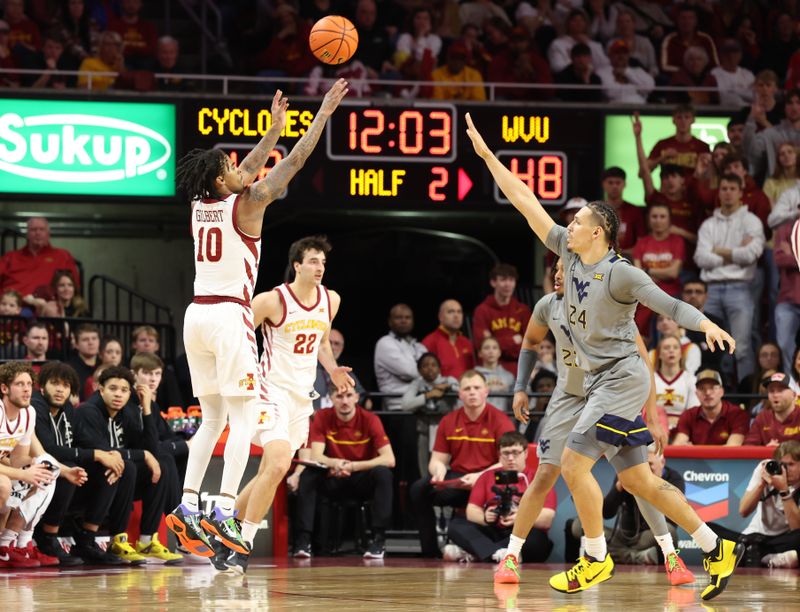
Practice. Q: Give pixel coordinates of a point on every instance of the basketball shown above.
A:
(333, 39)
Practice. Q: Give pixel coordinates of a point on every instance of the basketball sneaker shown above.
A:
(221, 554)
(237, 562)
(87, 549)
(676, 570)
(187, 526)
(11, 556)
(156, 550)
(227, 528)
(375, 550)
(122, 549)
(44, 560)
(586, 573)
(720, 563)
(50, 546)
(781, 559)
(507, 571)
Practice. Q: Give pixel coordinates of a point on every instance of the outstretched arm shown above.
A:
(517, 192)
(629, 284)
(255, 160)
(644, 166)
(262, 193)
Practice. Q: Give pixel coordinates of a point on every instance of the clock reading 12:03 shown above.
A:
(420, 133)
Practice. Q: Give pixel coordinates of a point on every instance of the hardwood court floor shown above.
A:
(353, 585)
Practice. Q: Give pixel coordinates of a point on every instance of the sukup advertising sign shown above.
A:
(87, 148)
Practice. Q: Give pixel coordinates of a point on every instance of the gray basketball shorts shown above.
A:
(561, 416)
(612, 416)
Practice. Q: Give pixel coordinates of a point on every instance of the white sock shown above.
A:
(515, 546)
(7, 537)
(24, 537)
(596, 547)
(145, 539)
(665, 542)
(225, 504)
(249, 531)
(705, 538)
(190, 500)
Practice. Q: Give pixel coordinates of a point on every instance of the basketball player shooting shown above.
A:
(600, 306)
(295, 319)
(227, 209)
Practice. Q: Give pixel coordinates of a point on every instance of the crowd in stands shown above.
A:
(702, 52)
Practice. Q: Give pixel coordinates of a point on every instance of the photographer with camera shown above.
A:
(492, 508)
(773, 493)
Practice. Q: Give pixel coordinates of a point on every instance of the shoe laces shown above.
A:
(672, 562)
(578, 569)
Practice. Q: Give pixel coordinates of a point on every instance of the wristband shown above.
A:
(785, 494)
(525, 363)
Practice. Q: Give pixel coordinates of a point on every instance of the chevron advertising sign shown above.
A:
(87, 148)
(707, 493)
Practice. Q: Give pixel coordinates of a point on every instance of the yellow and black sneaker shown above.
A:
(157, 550)
(720, 563)
(122, 549)
(586, 573)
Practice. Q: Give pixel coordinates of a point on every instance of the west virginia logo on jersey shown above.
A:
(581, 288)
(248, 383)
(544, 445)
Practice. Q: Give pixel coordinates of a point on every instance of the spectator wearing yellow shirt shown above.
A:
(107, 59)
(456, 70)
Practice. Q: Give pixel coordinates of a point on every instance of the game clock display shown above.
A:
(415, 156)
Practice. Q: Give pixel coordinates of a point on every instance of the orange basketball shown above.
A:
(333, 39)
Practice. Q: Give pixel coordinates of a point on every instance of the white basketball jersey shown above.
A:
(19, 431)
(676, 395)
(225, 258)
(290, 352)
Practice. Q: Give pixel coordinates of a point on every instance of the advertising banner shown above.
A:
(70, 147)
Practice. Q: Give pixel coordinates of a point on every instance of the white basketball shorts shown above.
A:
(221, 349)
(283, 416)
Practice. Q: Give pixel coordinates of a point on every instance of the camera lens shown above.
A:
(773, 467)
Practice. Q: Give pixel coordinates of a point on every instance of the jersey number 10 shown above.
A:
(209, 249)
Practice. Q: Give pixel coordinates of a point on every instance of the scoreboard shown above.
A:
(414, 155)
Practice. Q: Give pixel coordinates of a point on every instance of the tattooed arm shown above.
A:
(262, 193)
(255, 160)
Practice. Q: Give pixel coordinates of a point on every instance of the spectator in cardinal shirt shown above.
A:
(138, 35)
(502, 315)
(681, 149)
(32, 267)
(631, 217)
(782, 421)
(660, 254)
(686, 35)
(450, 346)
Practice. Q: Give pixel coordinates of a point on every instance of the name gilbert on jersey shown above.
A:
(295, 326)
(208, 216)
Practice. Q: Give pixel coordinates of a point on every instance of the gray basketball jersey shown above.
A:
(549, 312)
(602, 329)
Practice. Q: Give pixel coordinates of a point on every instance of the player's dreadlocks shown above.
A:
(198, 170)
(606, 217)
